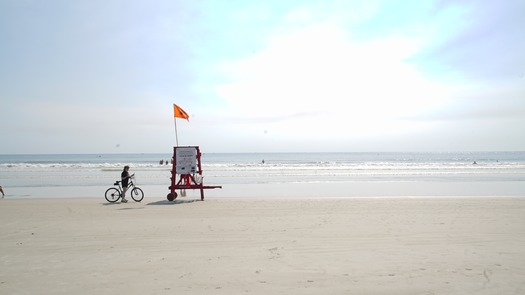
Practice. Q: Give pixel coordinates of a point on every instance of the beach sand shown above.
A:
(401, 245)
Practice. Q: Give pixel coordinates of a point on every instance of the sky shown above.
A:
(102, 76)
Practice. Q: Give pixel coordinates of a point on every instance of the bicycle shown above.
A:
(114, 194)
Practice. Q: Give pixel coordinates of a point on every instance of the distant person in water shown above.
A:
(2, 191)
(124, 176)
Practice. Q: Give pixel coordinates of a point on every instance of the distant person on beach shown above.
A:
(2, 190)
(125, 181)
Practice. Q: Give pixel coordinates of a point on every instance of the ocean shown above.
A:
(312, 175)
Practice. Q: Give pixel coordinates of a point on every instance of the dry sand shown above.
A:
(252, 246)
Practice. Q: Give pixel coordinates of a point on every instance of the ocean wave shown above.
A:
(273, 166)
(101, 166)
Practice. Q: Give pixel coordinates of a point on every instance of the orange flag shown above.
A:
(180, 113)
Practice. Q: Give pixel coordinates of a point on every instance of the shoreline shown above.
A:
(295, 190)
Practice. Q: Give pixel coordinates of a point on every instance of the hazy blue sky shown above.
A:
(101, 76)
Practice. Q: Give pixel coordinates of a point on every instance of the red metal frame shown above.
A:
(187, 181)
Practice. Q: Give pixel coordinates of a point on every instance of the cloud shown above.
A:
(320, 70)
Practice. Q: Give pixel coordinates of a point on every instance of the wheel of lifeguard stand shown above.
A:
(172, 196)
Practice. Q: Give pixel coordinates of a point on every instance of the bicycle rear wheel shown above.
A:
(136, 194)
(112, 195)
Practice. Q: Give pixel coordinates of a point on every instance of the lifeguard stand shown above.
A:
(187, 166)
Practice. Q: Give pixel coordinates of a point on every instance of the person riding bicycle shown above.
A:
(125, 181)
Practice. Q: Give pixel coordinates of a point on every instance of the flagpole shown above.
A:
(176, 134)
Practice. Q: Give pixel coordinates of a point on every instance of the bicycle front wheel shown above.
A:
(136, 194)
(112, 195)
